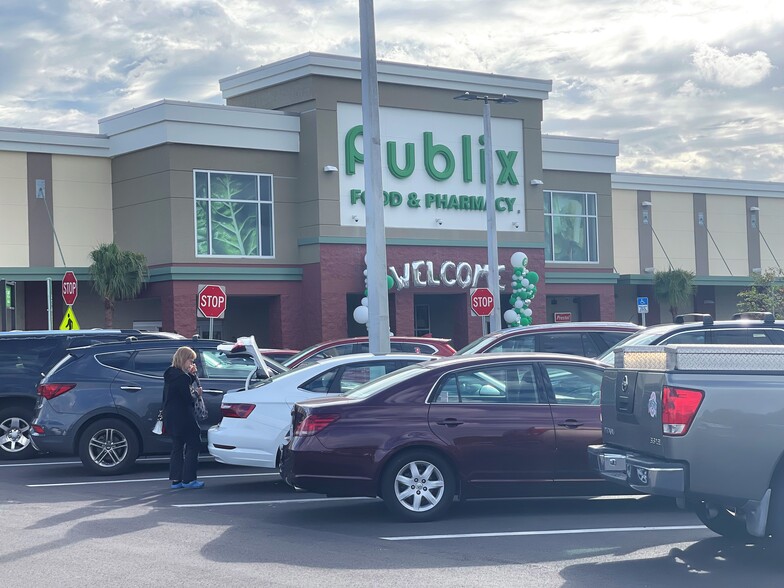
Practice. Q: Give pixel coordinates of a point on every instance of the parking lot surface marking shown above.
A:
(51, 485)
(48, 463)
(284, 501)
(549, 532)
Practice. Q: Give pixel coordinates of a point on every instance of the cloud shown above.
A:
(740, 71)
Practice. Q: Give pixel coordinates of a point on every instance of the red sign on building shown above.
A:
(562, 317)
(211, 301)
(70, 288)
(482, 302)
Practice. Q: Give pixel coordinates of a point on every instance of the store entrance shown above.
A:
(442, 315)
(245, 316)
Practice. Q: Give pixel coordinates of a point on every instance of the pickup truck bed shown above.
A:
(703, 424)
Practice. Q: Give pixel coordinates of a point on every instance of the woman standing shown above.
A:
(179, 420)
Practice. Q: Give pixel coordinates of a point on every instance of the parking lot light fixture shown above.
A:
(492, 234)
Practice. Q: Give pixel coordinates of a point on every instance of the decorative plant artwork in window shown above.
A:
(233, 214)
(570, 226)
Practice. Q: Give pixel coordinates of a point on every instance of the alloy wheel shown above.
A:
(108, 448)
(14, 435)
(419, 486)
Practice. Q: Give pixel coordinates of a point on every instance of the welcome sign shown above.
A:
(433, 170)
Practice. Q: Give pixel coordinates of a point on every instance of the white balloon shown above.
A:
(364, 272)
(365, 258)
(528, 312)
(361, 314)
(518, 303)
(364, 301)
(510, 316)
(525, 282)
(519, 259)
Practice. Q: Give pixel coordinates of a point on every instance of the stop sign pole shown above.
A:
(211, 303)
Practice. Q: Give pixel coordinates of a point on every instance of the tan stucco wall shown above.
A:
(673, 221)
(82, 203)
(626, 244)
(771, 221)
(14, 234)
(727, 226)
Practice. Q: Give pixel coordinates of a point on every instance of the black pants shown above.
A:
(184, 457)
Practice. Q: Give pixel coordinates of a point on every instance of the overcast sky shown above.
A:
(691, 87)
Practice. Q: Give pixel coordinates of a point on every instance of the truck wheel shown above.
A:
(724, 522)
(108, 447)
(15, 433)
(418, 486)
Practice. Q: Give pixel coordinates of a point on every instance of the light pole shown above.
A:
(492, 234)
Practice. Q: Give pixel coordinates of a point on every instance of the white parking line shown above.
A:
(285, 501)
(142, 480)
(552, 532)
(47, 463)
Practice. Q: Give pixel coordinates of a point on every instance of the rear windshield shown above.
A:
(471, 348)
(384, 382)
(644, 337)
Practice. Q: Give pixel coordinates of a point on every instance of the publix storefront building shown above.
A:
(265, 196)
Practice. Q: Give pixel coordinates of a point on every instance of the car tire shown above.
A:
(723, 521)
(418, 486)
(108, 447)
(15, 429)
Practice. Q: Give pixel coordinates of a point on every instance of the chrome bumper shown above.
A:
(644, 474)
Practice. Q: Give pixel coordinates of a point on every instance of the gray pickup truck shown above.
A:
(703, 424)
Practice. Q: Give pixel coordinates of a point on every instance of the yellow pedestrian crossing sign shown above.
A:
(69, 321)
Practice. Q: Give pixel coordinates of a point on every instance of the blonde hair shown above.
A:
(182, 355)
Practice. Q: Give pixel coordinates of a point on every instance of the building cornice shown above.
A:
(696, 185)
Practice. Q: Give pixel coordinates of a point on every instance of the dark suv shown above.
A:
(757, 328)
(24, 357)
(588, 339)
(101, 402)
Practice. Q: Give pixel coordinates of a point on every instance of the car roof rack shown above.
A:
(693, 317)
(768, 317)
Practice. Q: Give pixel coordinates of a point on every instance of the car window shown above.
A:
(385, 382)
(496, 385)
(216, 364)
(686, 337)
(571, 343)
(611, 338)
(27, 356)
(120, 360)
(572, 384)
(590, 348)
(344, 349)
(742, 337)
(357, 374)
(321, 383)
(153, 362)
(518, 343)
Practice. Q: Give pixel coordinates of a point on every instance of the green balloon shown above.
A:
(518, 271)
(390, 282)
(365, 292)
(525, 320)
(533, 277)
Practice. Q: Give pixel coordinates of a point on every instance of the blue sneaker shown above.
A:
(195, 485)
(176, 485)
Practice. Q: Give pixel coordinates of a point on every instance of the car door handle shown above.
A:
(449, 422)
(203, 391)
(131, 388)
(571, 423)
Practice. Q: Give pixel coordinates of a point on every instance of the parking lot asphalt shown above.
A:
(65, 527)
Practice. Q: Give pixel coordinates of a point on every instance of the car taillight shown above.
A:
(314, 423)
(50, 391)
(237, 411)
(679, 406)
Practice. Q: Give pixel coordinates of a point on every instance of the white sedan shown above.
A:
(255, 421)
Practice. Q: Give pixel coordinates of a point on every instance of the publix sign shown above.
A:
(433, 170)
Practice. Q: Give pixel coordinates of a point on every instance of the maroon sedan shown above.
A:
(471, 426)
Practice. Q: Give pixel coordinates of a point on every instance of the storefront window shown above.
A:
(233, 214)
(570, 226)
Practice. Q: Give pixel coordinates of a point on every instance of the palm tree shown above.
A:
(673, 288)
(117, 275)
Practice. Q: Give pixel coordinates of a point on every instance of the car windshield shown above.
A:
(378, 385)
(471, 348)
(304, 353)
(644, 337)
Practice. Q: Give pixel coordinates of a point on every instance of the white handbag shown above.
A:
(158, 428)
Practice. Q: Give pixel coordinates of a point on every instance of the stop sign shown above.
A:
(482, 302)
(70, 288)
(211, 301)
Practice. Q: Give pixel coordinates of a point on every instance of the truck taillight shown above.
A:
(50, 391)
(313, 424)
(679, 406)
(236, 411)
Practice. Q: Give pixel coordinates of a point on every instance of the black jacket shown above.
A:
(178, 416)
